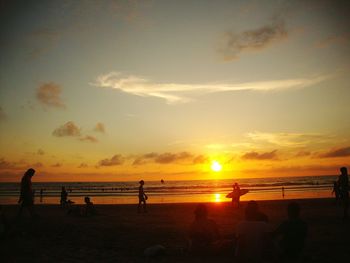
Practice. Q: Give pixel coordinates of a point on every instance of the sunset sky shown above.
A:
(124, 90)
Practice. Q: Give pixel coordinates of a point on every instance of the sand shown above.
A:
(120, 234)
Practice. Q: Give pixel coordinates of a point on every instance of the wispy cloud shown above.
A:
(334, 153)
(340, 39)
(40, 152)
(100, 127)
(174, 93)
(67, 129)
(89, 138)
(288, 139)
(260, 156)
(49, 94)
(169, 158)
(251, 40)
(115, 160)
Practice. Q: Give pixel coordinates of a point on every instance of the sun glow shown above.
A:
(216, 166)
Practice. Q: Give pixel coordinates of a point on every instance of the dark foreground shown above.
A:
(120, 234)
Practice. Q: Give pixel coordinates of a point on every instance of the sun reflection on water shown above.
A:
(217, 198)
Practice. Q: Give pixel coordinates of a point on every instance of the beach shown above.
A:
(119, 234)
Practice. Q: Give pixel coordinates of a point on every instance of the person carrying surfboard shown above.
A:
(236, 194)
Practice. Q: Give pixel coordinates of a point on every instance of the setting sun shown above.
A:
(216, 166)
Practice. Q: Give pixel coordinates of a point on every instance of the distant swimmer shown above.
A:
(162, 181)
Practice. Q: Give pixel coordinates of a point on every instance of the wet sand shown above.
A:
(120, 234)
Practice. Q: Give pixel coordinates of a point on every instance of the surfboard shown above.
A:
(241, 192)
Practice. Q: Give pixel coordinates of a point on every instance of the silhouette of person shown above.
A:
(251, 235)
(41, 195)
(204, 233)
(142, 198)
(343, 182)
(89, 208)
(64, 196)
(283, 191)
(336, 192)
(26, 198)
(293, 232)
(236, 195)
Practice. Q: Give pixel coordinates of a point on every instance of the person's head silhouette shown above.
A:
(142, 182)
(344, 171)
(30, 172)
(251, 210)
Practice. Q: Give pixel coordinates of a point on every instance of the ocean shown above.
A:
(176, 191)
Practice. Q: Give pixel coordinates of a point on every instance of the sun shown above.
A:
(216, 166)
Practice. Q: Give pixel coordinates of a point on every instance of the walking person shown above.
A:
(26, 199)
(142, 198)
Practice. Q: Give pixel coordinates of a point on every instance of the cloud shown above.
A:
(260, 156)
(252, 40)
(168, 157)
(7, 165)
(334, 153)
(303, 153)
(56, 165)
(40, 152)
(49, 94)
(115, 160)
(100, 127)
(88, 138)
(83, 165)
(287, 139)
(68, 129)
(174, 93)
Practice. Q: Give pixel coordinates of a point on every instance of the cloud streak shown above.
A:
(67, 129)
(335, 153)
(260, 156)
(115, 160)
(49, 94)
(252, 40)
(174, 93)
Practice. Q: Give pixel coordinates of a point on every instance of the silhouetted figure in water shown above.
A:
(142, 198)
(336, 192)
(283, 191)
(64, 196)
(252, 235)
(204, 233)
(236, 195)
(343, 183)
(41, 195)
(162, 181)
(26, 198)
(293, 232)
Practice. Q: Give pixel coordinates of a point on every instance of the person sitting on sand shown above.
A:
(89, 209)
(204, 233)
(26, 198)
(64, 196)
(142, 198)
(256, 213)
(251, 235)
(293, 232)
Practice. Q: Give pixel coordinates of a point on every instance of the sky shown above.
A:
(129, 90)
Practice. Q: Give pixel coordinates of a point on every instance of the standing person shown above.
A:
(236, 195)
(142, 198)
(336, 192)
(64, 195)
(283, 191)
(343, 183)
(26, 198)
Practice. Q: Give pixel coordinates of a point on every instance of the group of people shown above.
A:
(253, 239)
